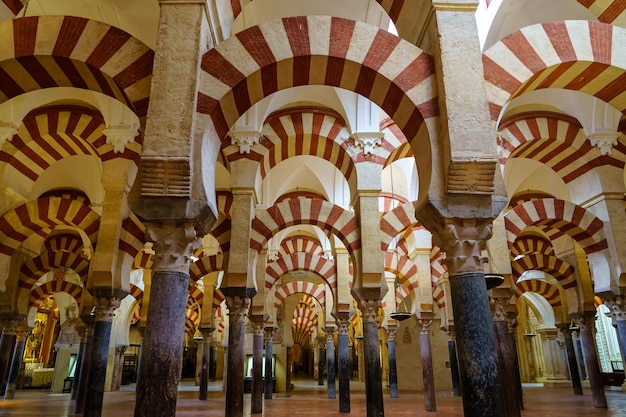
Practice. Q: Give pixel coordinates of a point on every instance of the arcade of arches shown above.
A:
(189, 187)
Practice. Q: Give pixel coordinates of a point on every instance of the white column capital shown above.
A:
(604, 141)
(244, 139)
(120, 136)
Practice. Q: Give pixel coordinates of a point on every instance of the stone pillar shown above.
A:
(205, 363)
(391, 354)
(320, 362)
(81, 329)
(454, 363)
(289, 366)
(586, 321)
(85, 365)
(116, 380)
(162, 347)
(237, 310)
(105, 309)
(7, 345)
(330, 362)
(463, 240)
(512, 324)
(21, 334)
(571, 358)
(269, 353)
(371, 353)
(500, 298)
(256, 402)
(343, 359)
(427, 364)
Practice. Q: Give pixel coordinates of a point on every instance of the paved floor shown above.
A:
(309, 400)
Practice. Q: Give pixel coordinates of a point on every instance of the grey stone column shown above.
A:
(81, 329)
(7, 347)
(586, 321)
(330, 362)
(343, 365)
(237, 310)
(428, 375)
(454, 363)
(371, 353)
(512, 324)
(320, 362)
(391, 356)
(256, 403)
(21, 334)
(206, 361)
(500, 298)
(105, 309)
(85, 364)
(566, 331)
(269, 353)
(289, 366)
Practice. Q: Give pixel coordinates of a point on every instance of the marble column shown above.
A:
(500, 298)
(343, 364)
(586, 321)
(7, 347)
(391, 355)
(572, 363)
(289, 366)
(105, 309)
(256, 402)
(454, 363)
(85, 365)
(21, 334)
(371, 353)
(428, 375)
(237, 310)
(268, 383)
(80, 329)
(205, 363)
(320, 362)
(330, 362)
(512, 325)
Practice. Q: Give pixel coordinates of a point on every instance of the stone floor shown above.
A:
(309, 400)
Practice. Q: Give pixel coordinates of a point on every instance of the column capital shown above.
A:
(463, 241)
(10, 326)
(451, 333)
(343, 325)
(258, 327)
(106, 306)
(369, 309)
(617, 305)
(499, 306)
(392, 331)
(585, 320)
(22, 332)
(244, 139)
(173, 241)
(330, 334)
(424, 325)
(237, 307)
(269, 333)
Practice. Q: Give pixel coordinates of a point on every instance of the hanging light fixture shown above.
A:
(493, 279)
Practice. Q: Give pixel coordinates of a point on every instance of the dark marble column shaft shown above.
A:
(162, 347)
(16, 363)
(587, 325)
(571, 360)
(320, 364)
(393, 370)
(343, 365)
(476, 346)
(512, 323)
(428, 375)
(204, 365)
(269, 353)
(79, 362)
(256, 403)
(213, 363)
(454, 364)
(237, 309)
(7, 347)
(371, 353)
(85, 365)
(507, 367)
(330, 363)
(105, 308)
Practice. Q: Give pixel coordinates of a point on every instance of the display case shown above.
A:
(247, 380)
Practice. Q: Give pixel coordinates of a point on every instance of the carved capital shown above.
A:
(451, 334)
(617, 307)
(343, 326)
(120, 136)
(244, 139)
(330, 331)
(369, 309)
(604, 141)
(586, 320)
(471, 177)
(365, 142)
(269, 334)
(463, 241)
(237, 308)
(498, 308)
(22, 332)
(391, 334)
(272, 255)
(173, 242)
(6, 133)
(105, 307)
(424, 325)
(258, 327)
(10, 326)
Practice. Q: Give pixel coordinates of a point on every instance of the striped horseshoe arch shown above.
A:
(324, 50)
(32, 270)
(302, 287)
(294, 244)
(558, 217)
(205, 265)
(607, 11)
(395, 221)
(40, 293)
(526, 245)
(301, 261)
(549, 292)
(557, 55)
(65, 51)
(559, 269)
(41, 215)
(132, 236)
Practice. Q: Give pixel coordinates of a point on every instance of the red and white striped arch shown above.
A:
(607, 11)
(526, 245)
(396, 221)
(41, 215)
(321, 50)
(10, 8)
(137, 293)
(295, 244)
(65, 51)
(403, 268)
(560, 216)
(143, 260)
(323, 214)
(195, 297)
(40, 293)
(550, 292)
(557, 55)
(205, 265)
(222, 228)
(304, 318)
(302, 287)
(132, 236)
(192, 321)
(556, 140)
(558, 268)
(71, 257)
(301, 261)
